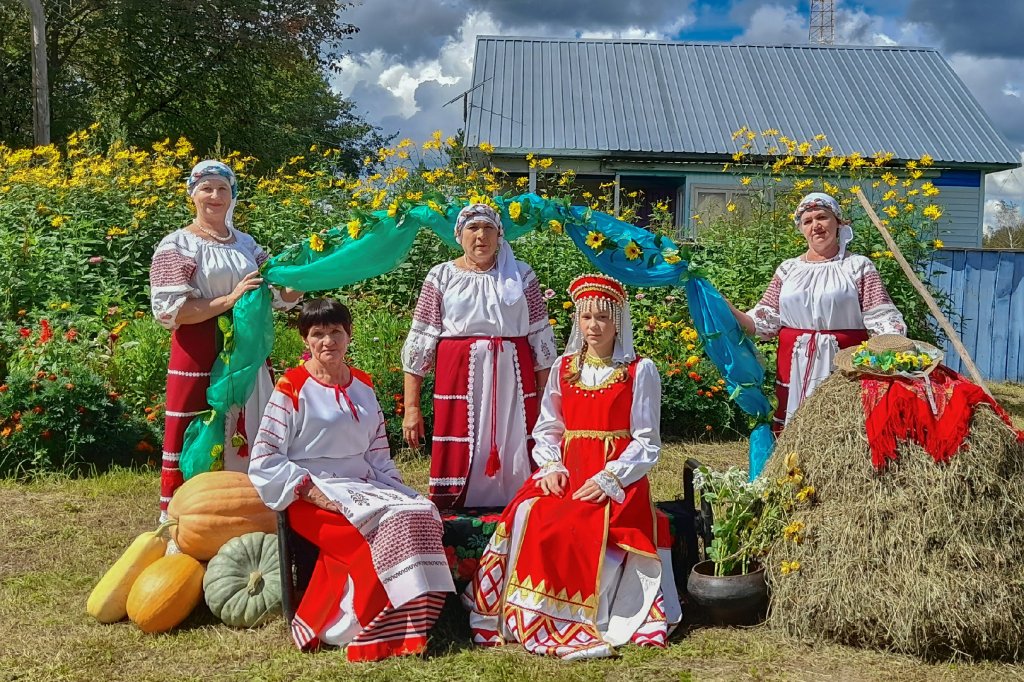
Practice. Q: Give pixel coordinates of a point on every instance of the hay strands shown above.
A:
(925, 294)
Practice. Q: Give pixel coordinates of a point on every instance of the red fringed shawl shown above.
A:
(898, 409)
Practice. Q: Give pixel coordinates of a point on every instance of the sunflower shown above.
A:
(595, 239)
(316, 242)
(633, 251)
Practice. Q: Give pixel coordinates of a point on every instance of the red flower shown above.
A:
(4, 388)
(38, 409)
(52, 377)
(467, 567)
(81, 410)
(69, 386)
(47, 434)
(113, 395)
(25, 332)
(143, 446)
(40, 374)
(71, 335)
(47, 333)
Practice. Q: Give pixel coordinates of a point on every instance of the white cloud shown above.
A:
(774, 25)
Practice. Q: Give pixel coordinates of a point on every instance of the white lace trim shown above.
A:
(471, 405)
(171, 456)
(183, 373)
(448, 480)
(609, 485)
(438, 396)
(453, 439)
(553, 467)
(171, 413)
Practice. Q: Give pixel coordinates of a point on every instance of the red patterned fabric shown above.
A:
(428, 306)
(455, 423)
(535, 303)
(787, 338)
(897, 409)
(871, 291)
(170, 268)
(344, 555)
(771, 294)
(193, 352)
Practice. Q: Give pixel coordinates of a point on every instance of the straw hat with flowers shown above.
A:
(889, 355)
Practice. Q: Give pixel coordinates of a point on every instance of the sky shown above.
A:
(412, 56)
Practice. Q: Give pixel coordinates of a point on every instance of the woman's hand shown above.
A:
(412, 426)
(315, 496)
(250, 282)
(554, 484)
(590, 492)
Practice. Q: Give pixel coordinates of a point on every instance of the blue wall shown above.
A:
(986, 289)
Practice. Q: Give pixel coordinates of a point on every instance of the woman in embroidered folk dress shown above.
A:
(579, 562)
(818, 303)
(322, 454)
(198, 273)
(481, 324)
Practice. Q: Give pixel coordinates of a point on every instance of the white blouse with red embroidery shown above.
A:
(187, 266)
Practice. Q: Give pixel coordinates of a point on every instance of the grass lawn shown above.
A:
(58, 536)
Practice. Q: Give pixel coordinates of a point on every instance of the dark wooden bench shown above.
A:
(467, 532)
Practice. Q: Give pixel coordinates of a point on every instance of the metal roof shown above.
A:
(651, 98)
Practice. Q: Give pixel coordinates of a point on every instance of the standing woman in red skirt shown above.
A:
(198, 273)
(818, 303)
(580, 563)
(481, 325)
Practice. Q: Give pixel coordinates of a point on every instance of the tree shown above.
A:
(250, 74)
(1009, 230)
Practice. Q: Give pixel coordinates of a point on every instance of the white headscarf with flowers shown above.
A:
(826, 201)
(510, 281)
(205, 170)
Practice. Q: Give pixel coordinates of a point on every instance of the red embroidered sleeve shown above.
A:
(771, 294)
(171, 268)
(428, 306)
(871, 291)
(535, 302)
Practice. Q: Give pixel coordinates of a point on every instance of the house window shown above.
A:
(711, 203)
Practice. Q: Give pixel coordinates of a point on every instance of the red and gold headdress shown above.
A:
(597, 287)
(605, 293)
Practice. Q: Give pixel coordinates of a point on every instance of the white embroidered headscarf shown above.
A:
(215, 169)
(822, 200)
(606, 293)
(510, 281)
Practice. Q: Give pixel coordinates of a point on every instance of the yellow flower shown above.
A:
(316, 242)
(552, 321)
(354, 228)
(392, 209)
(486, 147)
(793, 531)
(730, 207)
(58, 220)
(633, 251)
(556, 226)
(672, 258)
(515, 209)
(938, 244)
(65, 306)
(891, 211)
(545, 163)
(932, 211)
(926, 160)
(790, 567)
(433, 206)
(567, 305)
(805, 494)
(595, 239)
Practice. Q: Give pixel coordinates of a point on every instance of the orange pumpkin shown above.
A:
(165, 593)
(214, 507)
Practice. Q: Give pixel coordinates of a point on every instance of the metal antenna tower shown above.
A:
(823, 22)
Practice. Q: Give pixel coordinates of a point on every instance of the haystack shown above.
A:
(923, 559)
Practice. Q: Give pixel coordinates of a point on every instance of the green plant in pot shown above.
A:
(747, 517)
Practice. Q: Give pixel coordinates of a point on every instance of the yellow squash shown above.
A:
(109, 599)
(165, 593)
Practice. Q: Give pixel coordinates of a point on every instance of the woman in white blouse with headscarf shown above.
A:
(481, 325)
(818, 303)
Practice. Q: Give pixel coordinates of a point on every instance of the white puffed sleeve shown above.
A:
(541, 336)
(645, 420)
(881, 316)
(379, 454)
(170, 280)
(550, 426)
(420, 346)
(766, 316)
(276, 478)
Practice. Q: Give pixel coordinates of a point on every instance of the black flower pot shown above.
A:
(729, 599)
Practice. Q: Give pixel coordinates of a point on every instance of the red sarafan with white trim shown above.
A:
(381, 572)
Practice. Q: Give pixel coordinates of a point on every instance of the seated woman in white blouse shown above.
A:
(818, 303)
(322, 454)
(481, 324)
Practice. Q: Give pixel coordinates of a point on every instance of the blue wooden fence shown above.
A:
(986, 289)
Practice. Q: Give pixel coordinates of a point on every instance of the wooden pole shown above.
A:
(40, 84)
(925, 294)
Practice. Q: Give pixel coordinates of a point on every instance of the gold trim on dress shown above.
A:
(595, 361)
(607, 437)
(619, 374)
